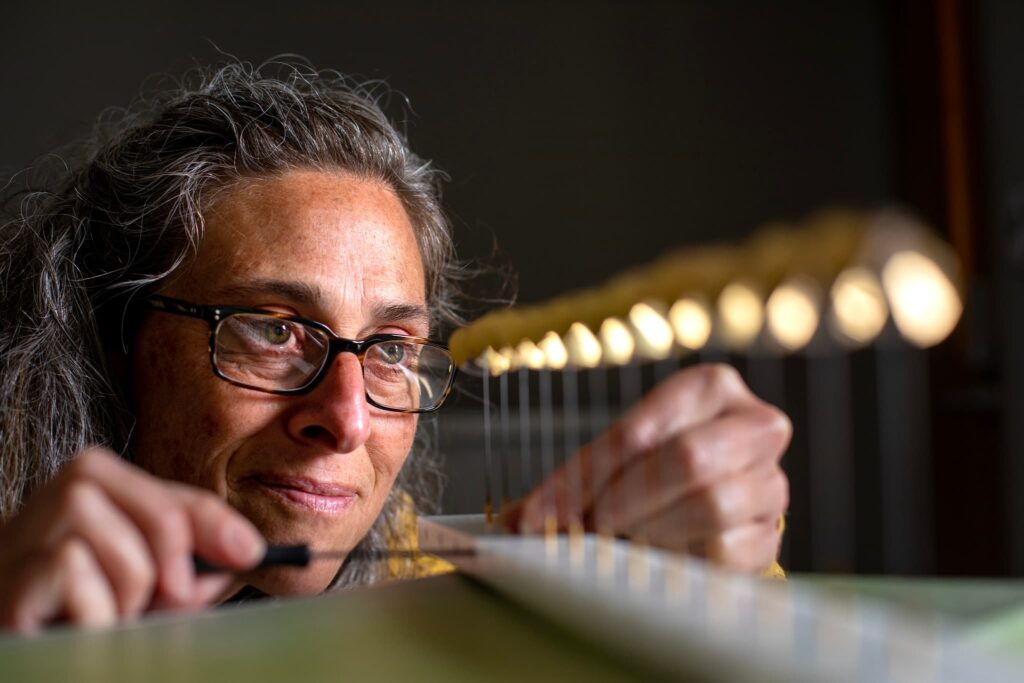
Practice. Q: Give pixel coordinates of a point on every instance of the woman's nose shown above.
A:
(335, 413)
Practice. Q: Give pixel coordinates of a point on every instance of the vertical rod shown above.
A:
(525, 452)
(904, 450)
(830, 455)
(573, 473)
(663, 369)
(767, 377)
(488, 500)
(547, 454)
(602, 470)
(506, 442)
(630, 388)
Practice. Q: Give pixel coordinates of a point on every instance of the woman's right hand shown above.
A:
(105, 541)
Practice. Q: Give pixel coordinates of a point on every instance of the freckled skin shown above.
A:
(352, 239)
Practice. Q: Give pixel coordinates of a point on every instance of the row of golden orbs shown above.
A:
(849, 271)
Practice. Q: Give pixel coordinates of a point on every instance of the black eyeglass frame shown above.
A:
(215, 315)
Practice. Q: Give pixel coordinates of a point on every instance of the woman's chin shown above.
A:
(311, 580)
(283, 523)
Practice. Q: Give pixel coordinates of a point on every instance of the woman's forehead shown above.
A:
(335, 232)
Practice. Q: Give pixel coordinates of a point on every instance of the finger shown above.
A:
(216, 588)
(90, 600)
(750, 549)
(32, 597)
(210, 589)
(176, 520)
(750, 497)
(221, 534)
(689, 398)
(158, 514)
(686, 462)
(67, 582)
(113, 539)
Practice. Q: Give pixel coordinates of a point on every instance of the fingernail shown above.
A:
(244, 544)
(180, 579)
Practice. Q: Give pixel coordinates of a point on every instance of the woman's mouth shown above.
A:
(313, 495)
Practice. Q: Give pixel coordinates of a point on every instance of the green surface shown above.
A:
(445, 628)
(988, 613)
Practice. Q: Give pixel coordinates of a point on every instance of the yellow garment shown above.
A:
(775, 571)
(406, 537)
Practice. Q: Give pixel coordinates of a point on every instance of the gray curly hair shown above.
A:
(124, 210)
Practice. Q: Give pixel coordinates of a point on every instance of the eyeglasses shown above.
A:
(283, 354)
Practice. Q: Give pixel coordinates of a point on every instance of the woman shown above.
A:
(186, 298)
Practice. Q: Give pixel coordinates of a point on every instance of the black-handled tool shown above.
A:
(276, 556)
(302, 555)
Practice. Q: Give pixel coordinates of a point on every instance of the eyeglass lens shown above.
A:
(266, 352)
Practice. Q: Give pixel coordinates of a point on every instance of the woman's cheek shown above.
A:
(396, 440)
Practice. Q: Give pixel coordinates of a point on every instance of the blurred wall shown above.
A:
(581, 137)
(1002, 58)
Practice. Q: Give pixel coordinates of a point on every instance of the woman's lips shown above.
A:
(317, 496)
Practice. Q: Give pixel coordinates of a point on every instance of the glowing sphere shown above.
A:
(691, 322)
(617, 342)
(794, 312)
(741, 313)
(859, 310)
(925, 304)
(653, 333)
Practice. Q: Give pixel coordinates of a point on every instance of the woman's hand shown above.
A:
(105, 541)
(694, 466)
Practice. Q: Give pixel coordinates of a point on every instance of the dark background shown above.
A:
(590, 135)
(585, 137)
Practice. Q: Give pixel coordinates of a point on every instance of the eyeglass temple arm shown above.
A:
(179, 307)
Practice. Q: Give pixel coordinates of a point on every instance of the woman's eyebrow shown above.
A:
(312, 296)
(299, 292)
(396, 312)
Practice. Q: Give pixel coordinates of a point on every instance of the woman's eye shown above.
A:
(277, 333)
(393, 353)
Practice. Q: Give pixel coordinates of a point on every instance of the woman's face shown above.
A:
(310, 469)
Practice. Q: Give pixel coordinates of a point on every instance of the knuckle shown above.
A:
(690, 458)
(76, 497)
(722, 375)
(87, 461)
(780, 425)
(638, 436)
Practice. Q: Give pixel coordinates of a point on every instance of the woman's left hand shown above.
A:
(693, 467)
